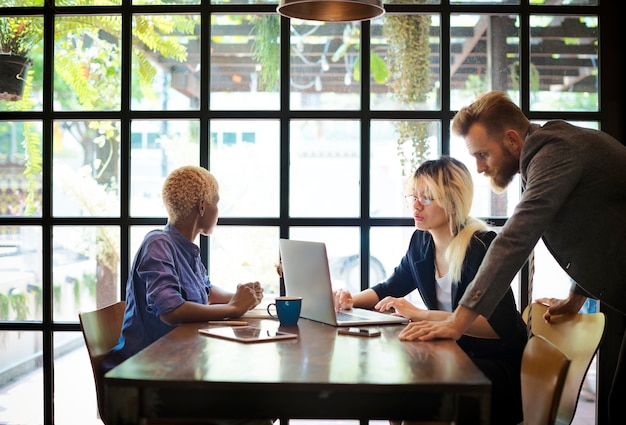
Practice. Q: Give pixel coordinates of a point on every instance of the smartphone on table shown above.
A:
(359, 332)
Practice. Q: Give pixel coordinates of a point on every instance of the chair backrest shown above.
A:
(576, 335)
(101, 331)
(544, 369)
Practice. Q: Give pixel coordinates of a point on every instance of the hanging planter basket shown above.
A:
(13, 71)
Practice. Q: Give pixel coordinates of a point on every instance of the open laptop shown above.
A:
(306, 274)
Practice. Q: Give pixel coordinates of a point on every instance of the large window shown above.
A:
(311, 129)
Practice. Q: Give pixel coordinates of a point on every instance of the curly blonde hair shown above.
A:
(184, 187)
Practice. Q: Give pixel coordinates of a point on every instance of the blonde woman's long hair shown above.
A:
(450, 183)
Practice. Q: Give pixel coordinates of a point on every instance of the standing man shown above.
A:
(574, 198)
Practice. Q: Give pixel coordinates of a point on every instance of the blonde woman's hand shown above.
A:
(343, 299)
(399, 307)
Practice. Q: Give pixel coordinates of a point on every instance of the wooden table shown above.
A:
(319, 375)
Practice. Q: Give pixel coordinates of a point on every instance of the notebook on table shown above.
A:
(306, 274)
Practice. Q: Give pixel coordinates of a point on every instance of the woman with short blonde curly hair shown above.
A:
(168, 283)
(184, 187)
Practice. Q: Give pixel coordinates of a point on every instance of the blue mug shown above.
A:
(287, 310)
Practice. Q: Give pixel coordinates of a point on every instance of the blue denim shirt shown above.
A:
(166, 272)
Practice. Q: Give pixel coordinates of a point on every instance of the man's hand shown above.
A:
(571, 304)
(452, 328)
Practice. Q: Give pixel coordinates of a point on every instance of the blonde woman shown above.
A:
(444, 254)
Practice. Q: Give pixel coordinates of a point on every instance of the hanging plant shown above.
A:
(408, 61)
(18, 36)
(266, 49)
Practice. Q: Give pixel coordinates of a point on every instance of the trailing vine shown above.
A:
(409, 65)
(266, 49)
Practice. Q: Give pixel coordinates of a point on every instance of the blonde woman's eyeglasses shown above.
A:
(424, 200)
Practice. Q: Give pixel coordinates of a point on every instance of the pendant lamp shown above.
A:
(331, 10)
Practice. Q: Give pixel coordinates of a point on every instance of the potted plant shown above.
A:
(18, 36)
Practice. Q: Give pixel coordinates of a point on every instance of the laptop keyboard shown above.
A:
(347, 317)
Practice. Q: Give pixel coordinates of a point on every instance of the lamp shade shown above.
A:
(331, 10)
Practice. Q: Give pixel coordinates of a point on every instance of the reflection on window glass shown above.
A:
(21, 62)
(20, 168)
(245, 62)
(484, 52)
(87, 60)
(86, 169)
(564, 63)
(240, 254)
(157, 148)
(166, 76)
(325, 65)
(245, 161)
(20, 268)
(85, 269)
(404, 62)
(325, 169)
(19, 351)
(397, 149)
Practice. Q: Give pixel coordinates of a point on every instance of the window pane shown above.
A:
(325, 65)
(85, 269)
(325, 169)
(564, 2)
(20, 268)
(158, 147)
(404, 62)
(564, 63)
(245, 62)
(166, 62)
(87, 55)
(343, 249)
(239, 1)
(20, 168)
(484, 50)
(21, 62)
(397, 149)
(495, 2)
(86, 169)
(22, 396)
(87, 2)
(245, 160)
(74, 388)
(240, 254)
(166, 2)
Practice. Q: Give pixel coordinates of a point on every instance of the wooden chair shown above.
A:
(101, 331)
(543, 374)
(578, 336)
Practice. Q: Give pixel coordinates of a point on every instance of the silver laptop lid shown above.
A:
(306, 274)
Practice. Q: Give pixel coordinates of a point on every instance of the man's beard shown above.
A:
(502, 176)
